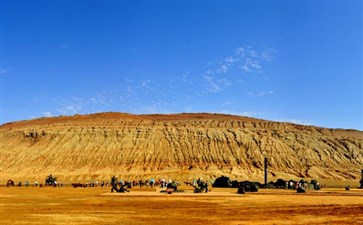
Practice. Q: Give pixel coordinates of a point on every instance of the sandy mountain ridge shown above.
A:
(178, 146)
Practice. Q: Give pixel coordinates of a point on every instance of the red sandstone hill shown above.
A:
(183, 146)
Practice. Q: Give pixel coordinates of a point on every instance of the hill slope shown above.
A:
(183, 146)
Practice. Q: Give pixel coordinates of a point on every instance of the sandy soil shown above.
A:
(175, 146)
(147, 206)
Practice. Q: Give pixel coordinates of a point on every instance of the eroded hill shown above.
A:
(183, 146)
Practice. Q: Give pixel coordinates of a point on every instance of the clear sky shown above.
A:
(295, 61)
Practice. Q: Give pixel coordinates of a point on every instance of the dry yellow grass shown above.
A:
(145, 206)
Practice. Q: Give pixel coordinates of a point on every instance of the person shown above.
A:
(206, 187)
(50, 180)
(171, 187)
(121, 189)
(113, 181)
(241, 189)
(10, 183)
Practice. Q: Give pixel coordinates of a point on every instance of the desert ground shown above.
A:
(67, 205)
(177, 146)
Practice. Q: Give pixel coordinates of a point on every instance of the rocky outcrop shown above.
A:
(183, 146)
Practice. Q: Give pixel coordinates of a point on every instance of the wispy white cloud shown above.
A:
(211, 85)
(245, 113)
(260, 93)
(240, 52)
(244, 60)
(4, 70)
(223, 68)
(215, 85)
(226, 64)
(265, 116)
(295, 121)
(251, 65)
(130, 96)
(247, 59)
(47, 114)
(230, 60)
(145, 83)
(185, 76)
(149, 110)
(268, 54)
(209, 72)
(80, 105)
(246, 69)
(71, 106)
(253, 114)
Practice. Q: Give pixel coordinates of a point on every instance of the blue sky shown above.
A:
(294, 61)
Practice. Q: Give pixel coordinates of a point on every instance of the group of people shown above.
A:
(198, 184)
(54, 183)
(170, 185)
(201, 186)
(162, 183)
(303, 184)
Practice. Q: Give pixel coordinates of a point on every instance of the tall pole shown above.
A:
(266, 170)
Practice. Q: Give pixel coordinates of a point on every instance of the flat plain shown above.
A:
(67, 205)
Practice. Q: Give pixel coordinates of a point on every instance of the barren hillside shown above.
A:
(184, 146)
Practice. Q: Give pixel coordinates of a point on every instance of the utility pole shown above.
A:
(266, 171)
